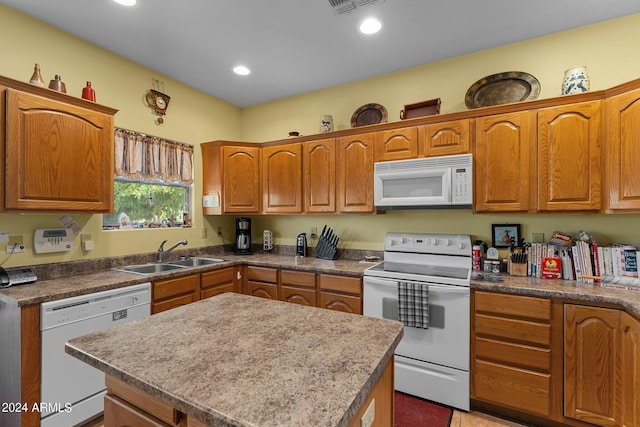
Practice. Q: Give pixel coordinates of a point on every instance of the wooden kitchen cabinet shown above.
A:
(298, 287)
(171, 293)
(396, 144)
(593, 365)
(631, 370)
(355, 173)
(262, 282)
(231, 176)
(219, 281)
(504, 159)
(58, 151)
(511, 362)
(445, 138)
(319, 169)
(569, 157)
(623, 114)
(282, 178)
(340, 293)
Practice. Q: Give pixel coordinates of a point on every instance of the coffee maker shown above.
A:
(243, 236)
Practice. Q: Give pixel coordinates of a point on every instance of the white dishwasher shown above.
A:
(71, 390)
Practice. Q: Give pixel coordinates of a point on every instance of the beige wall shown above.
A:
(194, 117)
(608, 49)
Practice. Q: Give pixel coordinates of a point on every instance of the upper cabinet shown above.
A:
(319, 170)
(282, 178)
(231, 177)
(569, 157)
(396, 144)
(58, 151)
(503, 162)
(445, 138)
(355, 173)
(624, 151)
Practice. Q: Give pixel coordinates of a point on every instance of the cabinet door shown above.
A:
(631, 370)
(569, 170)
(502, 165)
(118, 413)
(241, 181)
(282, 178)
(59, 157)
(446, 138)
(171, 293)
(218, 281)
(320, 176)
(592, 365)
(340, 302)
(396, 144)
(355, 173)
(262, 290)
(624, 150)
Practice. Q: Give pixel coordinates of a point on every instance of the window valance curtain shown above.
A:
(150, 159)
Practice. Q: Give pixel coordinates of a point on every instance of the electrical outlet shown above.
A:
(369, 415)
(219, 231)
(314, 231)
(15, 245)
(537, 237)
(203, 233)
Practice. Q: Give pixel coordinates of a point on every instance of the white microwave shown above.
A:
(426, 183)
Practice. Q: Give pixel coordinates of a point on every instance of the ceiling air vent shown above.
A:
(344, 6)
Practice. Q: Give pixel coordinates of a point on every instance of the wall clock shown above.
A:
(158, 101)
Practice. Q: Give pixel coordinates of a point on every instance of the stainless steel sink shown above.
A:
(149, 268)
(195, 262)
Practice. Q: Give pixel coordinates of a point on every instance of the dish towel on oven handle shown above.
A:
(413, 304)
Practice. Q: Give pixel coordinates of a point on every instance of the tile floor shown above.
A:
(478, 419)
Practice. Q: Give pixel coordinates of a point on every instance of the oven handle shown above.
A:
(443, 289)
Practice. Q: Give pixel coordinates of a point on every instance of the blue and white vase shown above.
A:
(576, 80)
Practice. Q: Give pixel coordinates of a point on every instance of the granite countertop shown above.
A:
(74, 282)
(246, 361)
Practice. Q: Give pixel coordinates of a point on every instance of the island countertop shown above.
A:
(239, 360)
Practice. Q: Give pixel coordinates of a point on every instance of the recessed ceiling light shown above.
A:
(241, 70)
(126, 2)
(370, 26)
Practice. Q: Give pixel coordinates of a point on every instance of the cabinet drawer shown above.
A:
(298, 296)
(216, 290)
(171, 287)
(298, 278)
(142, 401)
(340, 302)
(522, 331)
(218, 277)
(174, 302)
(513, 305)
(351, 285)
(262, 274)
(512, 387)
(513, 354)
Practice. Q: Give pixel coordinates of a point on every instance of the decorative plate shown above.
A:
(502, 88)
(369, 114)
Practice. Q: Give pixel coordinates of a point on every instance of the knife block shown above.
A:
(516, 269)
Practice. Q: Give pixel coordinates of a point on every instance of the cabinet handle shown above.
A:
(627, 329)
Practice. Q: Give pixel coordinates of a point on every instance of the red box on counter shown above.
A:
(551, 268)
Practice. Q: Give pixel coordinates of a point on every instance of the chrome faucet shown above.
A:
(162, 253)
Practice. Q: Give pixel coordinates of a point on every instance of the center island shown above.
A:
(239, 360)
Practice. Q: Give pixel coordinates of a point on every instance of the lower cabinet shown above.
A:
(219, 281)
(298, 287)
(340, 293)
(171, 293)
(511, 363)
(262, 282)
(601, 366)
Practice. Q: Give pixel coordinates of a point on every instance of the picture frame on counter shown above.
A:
(502, 235)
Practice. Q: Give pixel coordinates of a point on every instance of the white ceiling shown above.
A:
(296, 46)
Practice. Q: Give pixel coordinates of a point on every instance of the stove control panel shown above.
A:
(445, 244)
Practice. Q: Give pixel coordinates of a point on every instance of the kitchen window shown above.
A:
(153, 181)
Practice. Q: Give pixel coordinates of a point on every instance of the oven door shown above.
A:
(446, 342)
